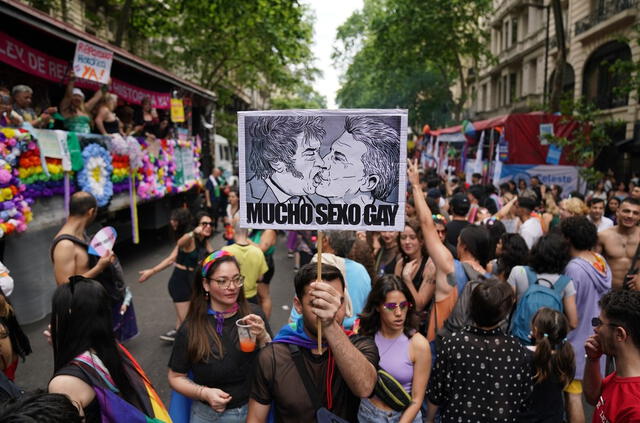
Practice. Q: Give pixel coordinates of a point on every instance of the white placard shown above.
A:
(92, 62)
(323, 169)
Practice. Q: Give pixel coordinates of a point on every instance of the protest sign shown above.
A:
(92, 62)
(323, 169)
(177, 110)
(103, 241)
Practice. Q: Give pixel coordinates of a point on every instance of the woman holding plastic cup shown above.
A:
(218, 343)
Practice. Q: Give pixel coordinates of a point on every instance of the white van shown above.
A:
(224, 159)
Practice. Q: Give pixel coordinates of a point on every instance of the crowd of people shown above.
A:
(512, 304)
(100, 114)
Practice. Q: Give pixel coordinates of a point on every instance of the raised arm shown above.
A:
(504, 211)
(66, 100)
(356, 369)
(167, 261)
(438, 252)
(89, 105)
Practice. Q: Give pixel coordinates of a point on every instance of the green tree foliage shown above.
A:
(409, 53)
(223, 45)
(628, 71)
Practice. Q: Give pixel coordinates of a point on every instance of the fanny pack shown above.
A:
(323, 414)
(391, 392)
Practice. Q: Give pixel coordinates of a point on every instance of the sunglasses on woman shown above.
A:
(393, 306)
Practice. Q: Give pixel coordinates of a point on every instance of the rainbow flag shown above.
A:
(113, 408)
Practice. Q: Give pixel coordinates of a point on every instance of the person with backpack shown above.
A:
(554, 363)
(89, 366)
(542, 284)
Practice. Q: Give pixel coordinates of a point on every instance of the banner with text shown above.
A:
(323, 169)
(564, 176)
(92, 63)
(32, 61)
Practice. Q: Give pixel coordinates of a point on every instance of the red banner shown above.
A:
(35, 62)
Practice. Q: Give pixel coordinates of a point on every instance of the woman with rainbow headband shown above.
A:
(208, 347)
(99, 375)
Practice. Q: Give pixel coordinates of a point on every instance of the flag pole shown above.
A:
(319, 279)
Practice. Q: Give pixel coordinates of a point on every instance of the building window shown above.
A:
(513, 87)
(514, 31)
(505, 35)
(505, 90)
(600, 83)
(483, 104)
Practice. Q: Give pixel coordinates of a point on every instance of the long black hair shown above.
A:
(185, 222)
(476, 240)
(370, 316)
(200, 330)
(81, 321)
(514, 253)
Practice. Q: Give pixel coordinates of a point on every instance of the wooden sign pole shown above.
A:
(319, 279)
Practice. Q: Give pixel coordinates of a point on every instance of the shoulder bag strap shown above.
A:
(296, 355)
(67, 237)
(634, 262)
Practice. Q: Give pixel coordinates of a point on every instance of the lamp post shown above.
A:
(546, 58)
(546, 49)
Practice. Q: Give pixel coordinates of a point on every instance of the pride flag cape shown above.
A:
(113, 408)
(294, 333)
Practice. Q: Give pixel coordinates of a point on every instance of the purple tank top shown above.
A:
(394, 358)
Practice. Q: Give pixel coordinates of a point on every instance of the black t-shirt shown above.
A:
(231, 374)
(546, 402)
(277, 380)
(453, 230)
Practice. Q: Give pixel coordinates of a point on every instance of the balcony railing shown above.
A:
(609, 9)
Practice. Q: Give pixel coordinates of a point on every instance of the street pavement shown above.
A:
(155, 313)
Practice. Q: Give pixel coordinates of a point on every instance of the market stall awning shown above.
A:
(46, 23)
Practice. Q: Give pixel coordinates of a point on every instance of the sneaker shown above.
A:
(169, 336)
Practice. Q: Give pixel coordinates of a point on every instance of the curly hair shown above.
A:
(581, 233)
(623, 308)
(575, 206)
(550, 254)
(274, 140)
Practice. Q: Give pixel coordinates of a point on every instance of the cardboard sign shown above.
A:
(92, 63)
(103, 241)
(177, 110)
(323, 169)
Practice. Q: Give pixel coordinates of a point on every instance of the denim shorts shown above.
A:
(369, 413)
(202, 413)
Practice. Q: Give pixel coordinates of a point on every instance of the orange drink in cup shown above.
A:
(246, 337)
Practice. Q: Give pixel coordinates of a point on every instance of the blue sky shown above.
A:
(329, 15)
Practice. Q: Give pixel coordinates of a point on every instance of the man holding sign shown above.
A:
(70, 253)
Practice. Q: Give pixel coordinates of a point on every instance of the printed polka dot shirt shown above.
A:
(481, 376)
